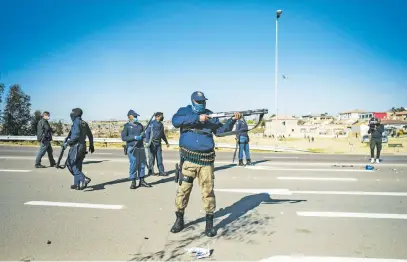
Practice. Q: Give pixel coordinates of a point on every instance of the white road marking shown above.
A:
(354, 215)
(327, 259)
(361, 193)
(307, 169)
(15, 170)
(318, 178)
(281, 157)
(102, 153)
(68, 204)
(258, 191)
(289, 192)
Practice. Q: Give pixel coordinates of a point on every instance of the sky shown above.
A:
(107, 57)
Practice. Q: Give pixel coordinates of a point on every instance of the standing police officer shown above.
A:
(133, 133)
(242, 138)
(77, 141)
(197, 157)
(44, 136)
(376, 134)
(154, 134)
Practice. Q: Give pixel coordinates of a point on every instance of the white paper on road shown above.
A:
(199, 252)
(68, 204)
(353, 215)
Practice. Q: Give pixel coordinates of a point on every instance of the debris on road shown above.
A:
(199, 252)
(369, 167)
(343, 166)
(49, 242)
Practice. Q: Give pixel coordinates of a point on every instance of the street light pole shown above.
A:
(278, 14)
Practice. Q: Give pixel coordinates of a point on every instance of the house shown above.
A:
(283, 125)
(352, 115)
(317, 118)
(401, 115)
(368, 115)
(399, 124)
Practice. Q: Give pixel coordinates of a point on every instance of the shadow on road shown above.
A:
(240, 225)
(94, 162)
(102, 185)
(242, 207)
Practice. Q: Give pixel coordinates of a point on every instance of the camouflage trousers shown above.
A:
(205, 175)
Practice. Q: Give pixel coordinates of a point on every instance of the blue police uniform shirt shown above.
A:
(130, 131)
(158, 133)
(195, 141)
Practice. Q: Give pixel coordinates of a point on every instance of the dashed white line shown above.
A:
(327, 259)
(289, 192)
(68, 204)
(307, 169)
(353, 215)
(348, 179)
(15, 170)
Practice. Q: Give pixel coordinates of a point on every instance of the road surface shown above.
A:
(285, 207)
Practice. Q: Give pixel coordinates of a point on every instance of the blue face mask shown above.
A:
(198, 108)
(135, 120)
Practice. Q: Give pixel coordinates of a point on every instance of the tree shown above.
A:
(1, 97)
(16, 115)
(58, 128)
(34, 122)
(395, 109)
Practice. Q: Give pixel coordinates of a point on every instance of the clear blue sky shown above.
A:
(109, 56)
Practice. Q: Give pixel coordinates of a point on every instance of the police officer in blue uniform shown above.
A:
(242, 138)
(77, 152)
(133, 135)
(197, 157)
(154, 135)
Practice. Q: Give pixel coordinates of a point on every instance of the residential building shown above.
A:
(283, 125)
(351, 115)
(317, 118)
(401, 115)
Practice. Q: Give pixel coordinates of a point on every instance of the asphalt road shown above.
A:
(286, 205)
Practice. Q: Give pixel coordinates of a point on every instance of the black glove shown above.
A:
(91, 149)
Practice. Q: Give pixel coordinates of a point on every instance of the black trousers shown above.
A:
(375, 142)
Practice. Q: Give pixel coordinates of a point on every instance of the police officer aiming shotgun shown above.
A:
(197, 126)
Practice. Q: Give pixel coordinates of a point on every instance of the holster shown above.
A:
(178, 172)
(125, 149)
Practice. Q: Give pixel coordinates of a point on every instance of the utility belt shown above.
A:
(199, 158)
(196, 130)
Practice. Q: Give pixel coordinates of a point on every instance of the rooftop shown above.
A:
(354, 111)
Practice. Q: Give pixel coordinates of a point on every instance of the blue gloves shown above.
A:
(138, 138)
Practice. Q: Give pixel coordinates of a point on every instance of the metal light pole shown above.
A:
(278, 14)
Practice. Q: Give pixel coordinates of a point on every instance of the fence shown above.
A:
(171, 142)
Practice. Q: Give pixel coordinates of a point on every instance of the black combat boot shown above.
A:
(209, 230)
(76, 187)
(249, 162)
(241, 163)
(150, 172)
(133, 184)
(179, 223)
(143, 183)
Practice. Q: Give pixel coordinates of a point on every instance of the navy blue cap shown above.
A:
(198, 96)
(132, 113)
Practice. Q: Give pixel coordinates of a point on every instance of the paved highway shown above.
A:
(287, 206)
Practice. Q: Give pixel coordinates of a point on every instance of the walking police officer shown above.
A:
(376, 130)
(242, 138)
(197, 157)
(154, 134)
(77, 141)
(44, 136)
(133, 134)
